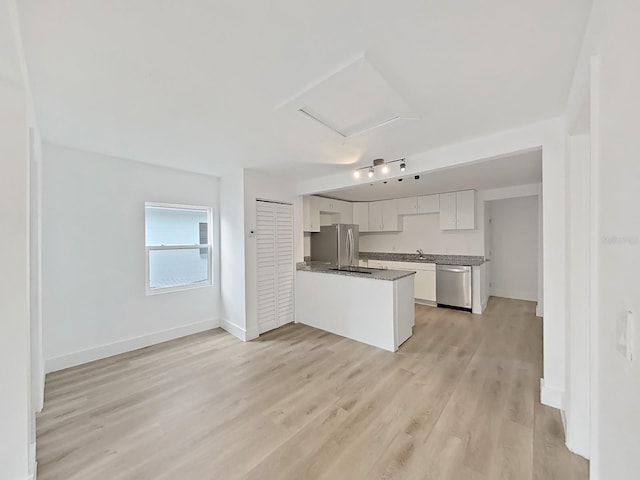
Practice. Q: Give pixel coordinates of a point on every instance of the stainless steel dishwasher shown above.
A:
(453, 286)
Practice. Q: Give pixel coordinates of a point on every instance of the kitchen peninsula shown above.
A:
(372, 306)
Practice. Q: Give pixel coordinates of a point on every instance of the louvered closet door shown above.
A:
(275, 264)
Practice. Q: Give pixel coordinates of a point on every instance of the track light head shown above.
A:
(403, 167)
(356, 173)
(370, 174)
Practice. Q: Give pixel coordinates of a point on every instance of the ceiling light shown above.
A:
(379, 162)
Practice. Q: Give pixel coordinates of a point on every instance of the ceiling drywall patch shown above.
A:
(352, 100)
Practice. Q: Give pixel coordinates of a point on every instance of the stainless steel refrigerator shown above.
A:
(337, 244)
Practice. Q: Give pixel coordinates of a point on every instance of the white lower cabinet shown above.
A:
(425, 278)
(425, 285)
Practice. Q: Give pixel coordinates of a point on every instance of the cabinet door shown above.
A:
(466, 209)
(429, 204)
(425, 285)
(390, 215)
(323, 204)
(311, 215)
(376, 264)
(306, 213)
(407, 206)
(345, 209)
(375, 216)
(361, 215)
(448, 216)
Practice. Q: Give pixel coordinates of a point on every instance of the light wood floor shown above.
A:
(459, 400)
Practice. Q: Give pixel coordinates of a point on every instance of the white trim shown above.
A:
(126, 345)
(595, 445)
(239, 332)
(539, 310)
(428, 303)
(496, 292)
(33, 463)
(176, 288)
(551, 396)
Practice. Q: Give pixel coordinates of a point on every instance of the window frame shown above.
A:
(208, 246)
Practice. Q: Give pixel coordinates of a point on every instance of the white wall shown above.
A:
(614, 126)
(232, 262)
(423, 231)
(239, 191)
(577, 401)
(554, 268)
(514, 248)
(15, 379)
(258, 186)
(94, 301)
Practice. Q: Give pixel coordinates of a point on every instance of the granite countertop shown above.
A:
(471, 260)
(376, 273)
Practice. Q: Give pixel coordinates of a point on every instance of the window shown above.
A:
(178, 243)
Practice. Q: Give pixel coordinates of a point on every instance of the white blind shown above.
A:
(274, 225)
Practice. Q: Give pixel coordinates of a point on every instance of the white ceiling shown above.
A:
(199, 84)
(520, 169)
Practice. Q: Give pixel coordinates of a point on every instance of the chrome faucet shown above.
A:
(420, 253)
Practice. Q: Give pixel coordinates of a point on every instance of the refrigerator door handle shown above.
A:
(352, 249)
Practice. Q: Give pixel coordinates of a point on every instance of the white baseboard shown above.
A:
(33, 464)
(239, 332)
(514, 295)
(550, 396)
(428, 303)
(539, 310)
(233, 329)
(252, 333)
(121, 346)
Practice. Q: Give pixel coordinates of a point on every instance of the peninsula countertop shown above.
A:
(375, 273)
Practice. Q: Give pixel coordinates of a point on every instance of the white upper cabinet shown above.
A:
(428, 204)
(383, 216)
(361, 215)
(466, 209)
(448, 216)
(311, 215)
(408, 206)
(375, 216)
(345, 210)
(390, 221)
(319, 211)
(457, 210)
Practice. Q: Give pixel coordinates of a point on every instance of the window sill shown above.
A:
(179, 288)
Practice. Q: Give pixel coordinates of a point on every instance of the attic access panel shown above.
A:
(353, 100)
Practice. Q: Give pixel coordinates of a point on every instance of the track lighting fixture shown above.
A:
(379, 162)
